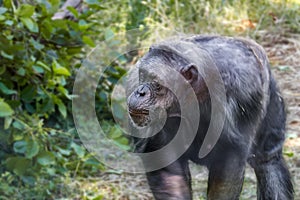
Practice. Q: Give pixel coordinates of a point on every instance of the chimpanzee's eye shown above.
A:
(157, 86)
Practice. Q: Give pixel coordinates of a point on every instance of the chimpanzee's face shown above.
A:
(154, 73)
(147, 96)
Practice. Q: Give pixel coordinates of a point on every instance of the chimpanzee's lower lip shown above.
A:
(138, 112)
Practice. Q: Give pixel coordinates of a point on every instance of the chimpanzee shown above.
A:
(252, 126)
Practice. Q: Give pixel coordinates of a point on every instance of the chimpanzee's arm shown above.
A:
(172, 182)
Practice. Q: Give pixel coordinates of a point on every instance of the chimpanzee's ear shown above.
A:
(190, 72)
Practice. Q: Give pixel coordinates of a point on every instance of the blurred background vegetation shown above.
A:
(41, 156)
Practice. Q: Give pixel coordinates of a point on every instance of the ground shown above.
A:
(284, 52)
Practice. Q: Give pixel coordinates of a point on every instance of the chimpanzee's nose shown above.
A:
(142, 90)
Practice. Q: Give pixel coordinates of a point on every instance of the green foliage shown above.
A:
(38, 60)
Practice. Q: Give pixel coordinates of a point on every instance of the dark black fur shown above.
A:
(254, 125)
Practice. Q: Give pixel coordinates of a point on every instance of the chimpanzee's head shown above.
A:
(155, 69)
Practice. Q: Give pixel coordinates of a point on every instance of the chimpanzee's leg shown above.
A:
(172, 182)
(273, 180)
(226, 175)
(273, 177)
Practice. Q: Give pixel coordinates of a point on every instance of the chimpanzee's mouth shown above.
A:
(138, 112)
(140, 117)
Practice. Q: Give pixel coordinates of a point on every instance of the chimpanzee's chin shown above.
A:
(140, 120)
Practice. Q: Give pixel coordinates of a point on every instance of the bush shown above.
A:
(39, 57)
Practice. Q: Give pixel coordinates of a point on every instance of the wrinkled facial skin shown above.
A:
(147, 96)
(152, 94)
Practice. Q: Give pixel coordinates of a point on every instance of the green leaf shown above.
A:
(9, 22)
(38, 69)
(30, 24)
(18, 125)
(47, 105)
(83, 25)
(2, 17)
(115, 132)
(109, 34)
(99, 197)
(122, 143)
(21, 71)
(5, 55)
(28, 180)
(25, 10)
(73, 11)
(43, 65)
(125, 147)
(61, 107)
(122, 140)
(62, 71)
(2, 10)
(45, 158)
(29, 108)
(18, 164)
(35, 44)
(87, 40)
(5, 90)
(7, 122)
(59, 70)
(32, 148)
(28, 93)
(5, 109)
(2, 69)
(284, 68)
(64, 91)
(78, 150)
(65, 152)
(20, 146)
(289, 154)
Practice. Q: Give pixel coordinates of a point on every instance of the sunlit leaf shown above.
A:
(62, 71)
(87, 40)
(2, 18)
(46, 158)
(115, 132)
(78, 149)
(73, 11)
(5, 109)
(30, 24)
(2, 10)
(5, 55)
(59, 70)
(25, 10)
(40, 63)
(62, 108)
(5, 90)
(7, 122)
